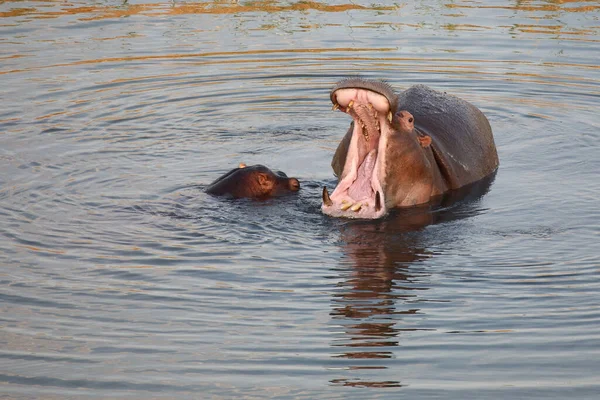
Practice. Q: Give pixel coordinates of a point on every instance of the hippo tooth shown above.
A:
(377, 202)
(356, 207)
(335, 107)
(373, 111)
(389, 116)
(350, 104)
(345, 206)
(326, 200)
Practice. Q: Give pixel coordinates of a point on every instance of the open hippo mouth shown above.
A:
(360, 192)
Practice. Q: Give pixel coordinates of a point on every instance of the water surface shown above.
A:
(120, 278)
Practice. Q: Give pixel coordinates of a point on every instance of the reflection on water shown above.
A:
(464, 14)
(126, 9)
(57, 8)
(382, 285)
(377, 294)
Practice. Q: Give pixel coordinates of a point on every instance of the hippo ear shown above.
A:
(263, 180)
(425, 141)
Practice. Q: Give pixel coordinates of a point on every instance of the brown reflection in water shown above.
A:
(535, 5)
(17, 12)
(553, 9)
(378, 282)
(552, 30)
(86, 12)
(192, 56)
(162, 8)
(381, 285)
(270, 6)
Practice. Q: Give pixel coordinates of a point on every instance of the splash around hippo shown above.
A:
(402, 151)
(255, 182)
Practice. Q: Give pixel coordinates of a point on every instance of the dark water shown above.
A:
(120, 278)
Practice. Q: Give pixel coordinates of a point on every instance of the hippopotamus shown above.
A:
(404, 150)
(255, 182)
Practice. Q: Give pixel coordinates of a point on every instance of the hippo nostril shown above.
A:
(410, 120)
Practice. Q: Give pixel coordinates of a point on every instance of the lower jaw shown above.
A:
(346, 207)
(337, 212)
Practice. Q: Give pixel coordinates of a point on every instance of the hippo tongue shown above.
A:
(361, 187)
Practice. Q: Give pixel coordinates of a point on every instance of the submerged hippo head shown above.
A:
(256, 181)
(384, 162)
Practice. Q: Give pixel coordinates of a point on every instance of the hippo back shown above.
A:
(462, 140)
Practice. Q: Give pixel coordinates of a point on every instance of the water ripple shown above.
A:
(115, 259)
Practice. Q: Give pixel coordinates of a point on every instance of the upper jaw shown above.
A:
(345, 99)
(360, 193)
(375, 87)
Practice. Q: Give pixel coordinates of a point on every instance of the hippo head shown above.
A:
(255, 181)
(382, 162)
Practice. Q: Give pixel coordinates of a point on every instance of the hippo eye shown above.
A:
(410, 120)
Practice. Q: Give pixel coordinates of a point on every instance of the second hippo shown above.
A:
(255, 182)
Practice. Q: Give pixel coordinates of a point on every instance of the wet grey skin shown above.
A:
(403, 150)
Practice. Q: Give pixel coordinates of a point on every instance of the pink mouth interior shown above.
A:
(359, 193)
(361, 187)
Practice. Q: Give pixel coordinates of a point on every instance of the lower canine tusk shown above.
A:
(326, 200)
(377, 202)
